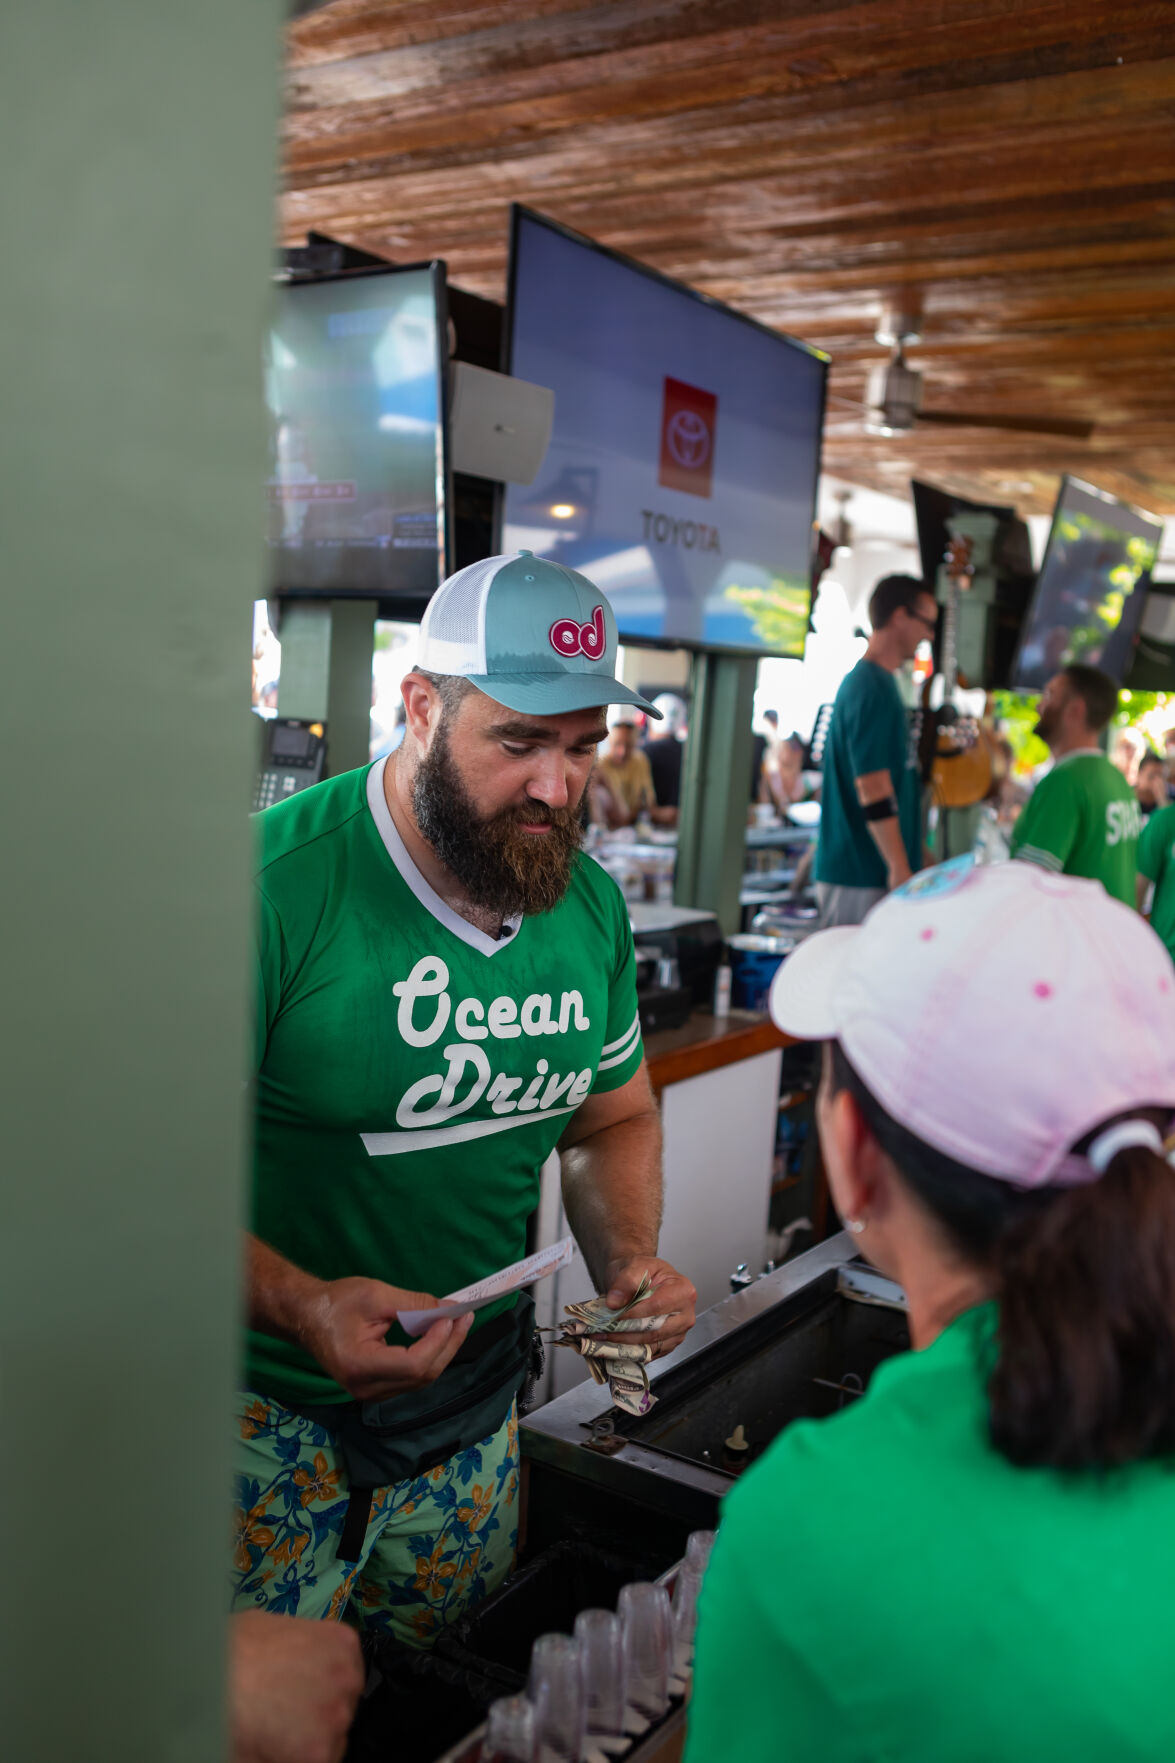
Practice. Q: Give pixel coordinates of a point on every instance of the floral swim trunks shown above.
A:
(434, 1545)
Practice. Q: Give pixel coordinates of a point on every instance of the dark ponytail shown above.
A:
(1084, 1368)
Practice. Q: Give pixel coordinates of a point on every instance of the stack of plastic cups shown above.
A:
(605, 1682)
(510, 1734)
(686, 1587)
(647, 1638)
(556, 1689)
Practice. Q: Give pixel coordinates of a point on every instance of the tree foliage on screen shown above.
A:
(779, 613)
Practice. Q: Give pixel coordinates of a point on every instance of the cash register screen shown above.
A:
(291, 743)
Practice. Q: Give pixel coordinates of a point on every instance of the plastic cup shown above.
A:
(556, 1689)
(601, 1655)
(697, 1549)
(509, 1736)
(685, 1617)
(647, 1629)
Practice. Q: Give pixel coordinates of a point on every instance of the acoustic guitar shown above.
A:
(959, 752)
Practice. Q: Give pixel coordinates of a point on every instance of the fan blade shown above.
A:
(1029, 425)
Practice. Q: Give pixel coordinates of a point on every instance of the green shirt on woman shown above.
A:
(886, 1588)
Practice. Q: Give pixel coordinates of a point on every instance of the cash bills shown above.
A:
(618, 1363)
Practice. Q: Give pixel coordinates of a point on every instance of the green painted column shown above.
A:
(137, 207)
(714, 794)
(327, 652)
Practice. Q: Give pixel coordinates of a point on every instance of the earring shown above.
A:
(856, 1225)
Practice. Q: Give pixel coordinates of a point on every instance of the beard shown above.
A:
(500, 867)
(1046, 726)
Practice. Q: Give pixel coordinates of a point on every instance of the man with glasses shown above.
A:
(871, 823)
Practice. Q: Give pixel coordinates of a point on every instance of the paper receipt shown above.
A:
(495, 1285)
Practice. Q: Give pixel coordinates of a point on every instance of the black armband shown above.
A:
(885, 809)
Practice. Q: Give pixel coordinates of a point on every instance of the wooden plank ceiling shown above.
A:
(1007, 167)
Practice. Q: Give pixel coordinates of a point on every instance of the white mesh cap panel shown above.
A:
(452, 632)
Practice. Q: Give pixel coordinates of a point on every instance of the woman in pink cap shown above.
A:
(975, 1562)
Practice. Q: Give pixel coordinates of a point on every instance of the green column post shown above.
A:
(138, 205)
(714, 796)
(327, 650)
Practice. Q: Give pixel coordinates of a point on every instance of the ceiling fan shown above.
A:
(894, 397)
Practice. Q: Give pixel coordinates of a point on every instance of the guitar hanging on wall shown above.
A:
(957, 750)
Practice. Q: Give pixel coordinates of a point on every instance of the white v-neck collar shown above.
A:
(398, 851)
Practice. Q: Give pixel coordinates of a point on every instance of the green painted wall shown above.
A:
(136, 213)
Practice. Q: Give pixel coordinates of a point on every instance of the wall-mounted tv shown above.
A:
(1088, 602)
(354, 383)
(681, 474)
(1011, 565)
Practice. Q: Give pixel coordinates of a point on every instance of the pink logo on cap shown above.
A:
(569, 638)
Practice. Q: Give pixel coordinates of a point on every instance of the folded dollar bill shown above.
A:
(623, 1367)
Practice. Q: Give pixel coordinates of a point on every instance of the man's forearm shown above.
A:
(875, 792)
(612, 1193)
(281, 1298)
(887, 836)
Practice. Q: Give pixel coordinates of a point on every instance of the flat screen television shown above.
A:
(681, 474)
(354, 384)
(1153, 666)
(1088, 601)
(1011, 564)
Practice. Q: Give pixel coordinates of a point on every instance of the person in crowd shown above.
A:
(1126, 753)
(761, 745)
(446, 994)
(1082, 818)
(1156, 869)
(1169, 759)
(293, 1688)
(974, 1560)
(1150, 783)
(870, 828)
(664, 750)
(622, 787)
(783, 772)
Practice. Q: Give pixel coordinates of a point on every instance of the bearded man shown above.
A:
(447, 994)
(1082, 818)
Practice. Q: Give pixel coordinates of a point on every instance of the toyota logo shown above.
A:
(688, 439)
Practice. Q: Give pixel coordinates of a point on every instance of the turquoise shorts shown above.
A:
(435, 1545)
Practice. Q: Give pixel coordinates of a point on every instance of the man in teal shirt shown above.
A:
(871, 811)
(1082, 818)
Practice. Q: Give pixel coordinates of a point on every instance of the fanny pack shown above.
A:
(397, 1440)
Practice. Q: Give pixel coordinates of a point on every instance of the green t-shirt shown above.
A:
(413, 1073)
(1156, 860)
(886, 1588)
(1083, 819)
(870, 731)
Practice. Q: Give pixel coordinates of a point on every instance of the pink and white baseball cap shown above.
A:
(999, 1013)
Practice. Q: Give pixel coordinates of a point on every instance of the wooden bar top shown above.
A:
(706, 1042)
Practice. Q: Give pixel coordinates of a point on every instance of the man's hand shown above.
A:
(672, 1297)
(294, 1685)
(344, 1328)
(898, 874)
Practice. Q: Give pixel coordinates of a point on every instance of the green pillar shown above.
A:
(714, 797)
(138, 209)
(327, 650)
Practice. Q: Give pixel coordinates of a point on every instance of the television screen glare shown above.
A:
(1088, 602)
(356, 481)
(681, 474)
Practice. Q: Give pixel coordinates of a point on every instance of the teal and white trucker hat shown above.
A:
(531, 634)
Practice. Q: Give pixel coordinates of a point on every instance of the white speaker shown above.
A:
(499, 427)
